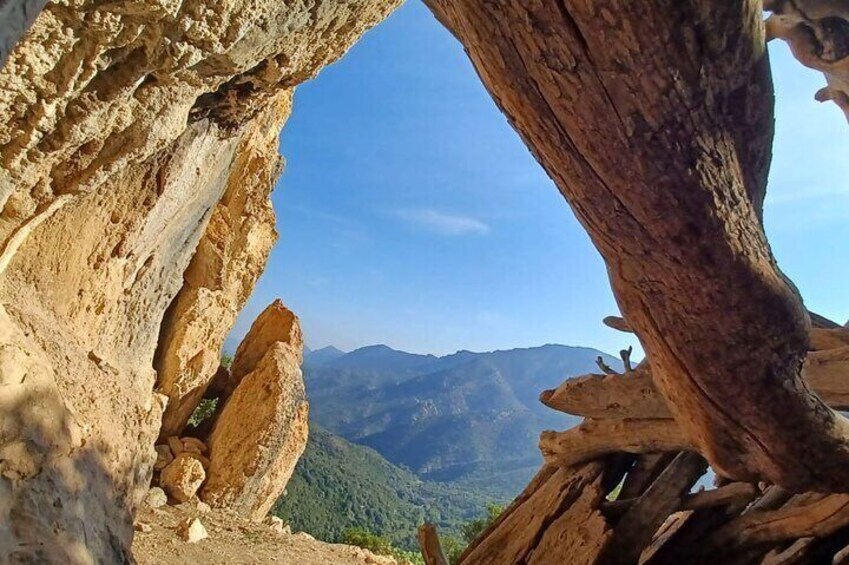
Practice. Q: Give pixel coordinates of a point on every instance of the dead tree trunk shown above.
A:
(655, 121)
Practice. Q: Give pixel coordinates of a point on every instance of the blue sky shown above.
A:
(410, 213)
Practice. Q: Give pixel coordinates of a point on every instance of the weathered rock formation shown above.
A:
(132, 134)
(229, 258)
(261, 432)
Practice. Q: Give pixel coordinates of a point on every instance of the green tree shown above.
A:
(474, 528)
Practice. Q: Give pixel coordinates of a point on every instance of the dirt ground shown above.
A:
(233, 540)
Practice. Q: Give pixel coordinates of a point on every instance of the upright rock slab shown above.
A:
(262, 430)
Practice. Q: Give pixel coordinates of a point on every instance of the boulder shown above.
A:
(183, 477)
(252, 458)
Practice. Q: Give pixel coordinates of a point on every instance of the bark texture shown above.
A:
(654, 120)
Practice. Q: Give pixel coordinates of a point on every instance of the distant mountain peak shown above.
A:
(321, 356)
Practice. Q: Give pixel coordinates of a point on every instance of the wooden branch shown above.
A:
(634, 531)
(635, 395)
(642, 474)
(817, 519)
(822, 339)
(609, 396)
(617, 323)
(555, 515)
(605, 368)
(594, 438)
(625, 354)
(796, 553)
(818, 321)
(816, 32)
(733, 493)
(430, 546)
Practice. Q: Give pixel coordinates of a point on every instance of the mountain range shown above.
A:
(470, 418)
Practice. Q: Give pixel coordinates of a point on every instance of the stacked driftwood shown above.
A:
(626, 486)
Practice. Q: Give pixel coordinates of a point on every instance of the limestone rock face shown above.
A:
(137, 150)
(229, 258)
(262, 431)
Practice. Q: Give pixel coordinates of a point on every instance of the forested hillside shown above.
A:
(338, 485)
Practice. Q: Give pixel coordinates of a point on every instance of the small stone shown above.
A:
(142, 527)
(194, 445)
(277, 525)
(176, 445)
(182, 478)
(203, 507)
(191, 530)
(156, 498)
(163, 457)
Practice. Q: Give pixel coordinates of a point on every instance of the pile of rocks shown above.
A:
(182, 465)
(242, 457)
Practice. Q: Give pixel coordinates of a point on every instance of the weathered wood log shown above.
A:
(824, 339)
(593, 438)
(667, 531)
(430, 547)
(555, 516)
(654, 120)
(818, 321)
(642, 474)
(605, 368)
(797, 553)
(817, 519)
(634, 531)
(635, 396)
(774, 497)
(729, 494)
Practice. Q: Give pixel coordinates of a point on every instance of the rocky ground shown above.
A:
(233, 540)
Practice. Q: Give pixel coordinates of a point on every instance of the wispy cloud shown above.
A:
(441, 223)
